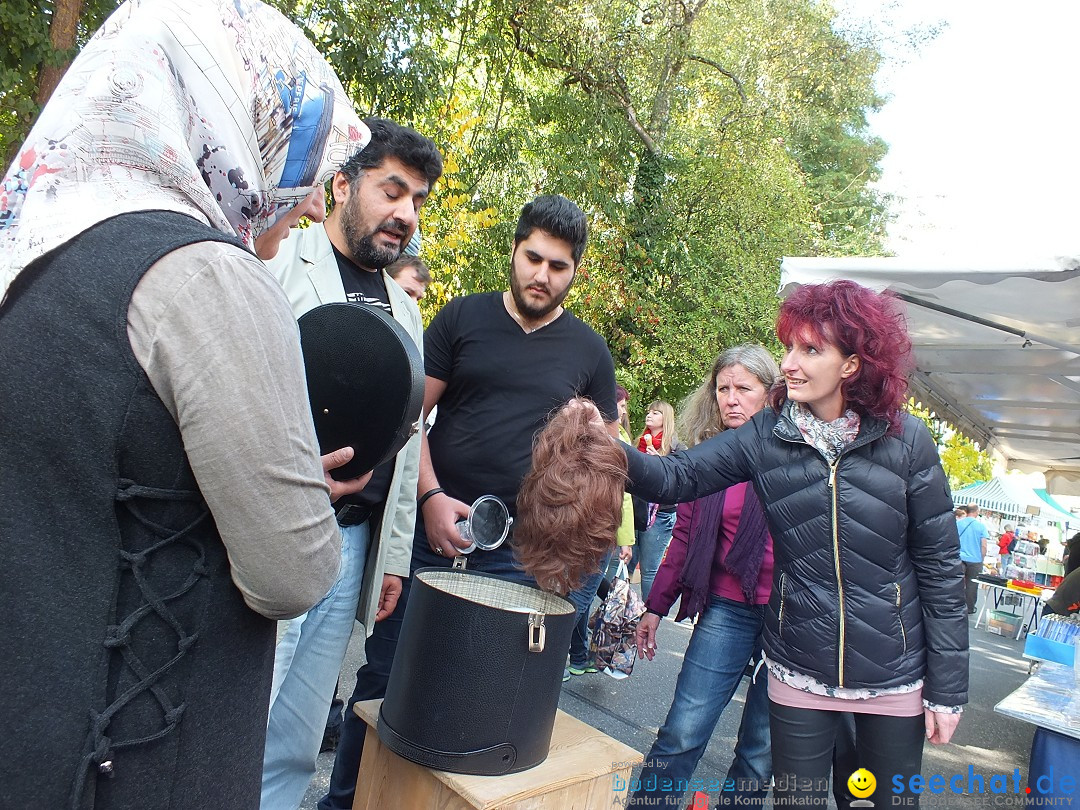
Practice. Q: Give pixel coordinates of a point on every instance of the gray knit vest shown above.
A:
(134, 676)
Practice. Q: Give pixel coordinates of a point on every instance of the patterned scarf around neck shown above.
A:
(828, 438)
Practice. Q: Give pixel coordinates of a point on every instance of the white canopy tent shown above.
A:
(997, 348)
(1014, 501)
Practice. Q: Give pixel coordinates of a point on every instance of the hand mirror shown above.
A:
(487, 525)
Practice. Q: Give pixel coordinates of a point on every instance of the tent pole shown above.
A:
(1054, 344)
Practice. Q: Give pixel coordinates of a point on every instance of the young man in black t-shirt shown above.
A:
(497, 364)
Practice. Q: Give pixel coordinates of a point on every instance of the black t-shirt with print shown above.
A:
(366, 287)
(362, 286)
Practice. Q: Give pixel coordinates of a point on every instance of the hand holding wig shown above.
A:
(570, 504)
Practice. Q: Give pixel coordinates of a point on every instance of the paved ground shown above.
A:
(630, 710)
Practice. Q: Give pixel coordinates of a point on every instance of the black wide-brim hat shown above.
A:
(365, 380)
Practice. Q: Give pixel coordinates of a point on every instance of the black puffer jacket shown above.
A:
(868, 589)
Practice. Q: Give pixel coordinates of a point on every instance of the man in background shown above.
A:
(973, 539)
(412, 275)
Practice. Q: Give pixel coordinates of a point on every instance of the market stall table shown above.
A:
(1028, 602)
(1050, 699)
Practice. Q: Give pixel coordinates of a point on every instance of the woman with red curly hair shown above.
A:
(866, 613)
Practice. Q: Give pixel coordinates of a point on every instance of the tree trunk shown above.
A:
(62, 31)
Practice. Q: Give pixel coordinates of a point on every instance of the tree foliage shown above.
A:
(964, 463)
(704, 140)
(40, 38)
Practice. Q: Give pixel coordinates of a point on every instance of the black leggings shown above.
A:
(802, 751)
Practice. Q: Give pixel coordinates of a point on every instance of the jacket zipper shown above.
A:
(903, 632)
(780, 618)
(859, 442)
(836, 564)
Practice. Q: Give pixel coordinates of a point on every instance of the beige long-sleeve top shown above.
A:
(215, 335)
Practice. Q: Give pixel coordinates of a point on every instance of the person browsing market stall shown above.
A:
(973, 543)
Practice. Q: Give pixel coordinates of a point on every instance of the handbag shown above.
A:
(613, 644)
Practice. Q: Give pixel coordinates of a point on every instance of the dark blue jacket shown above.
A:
(868, 589)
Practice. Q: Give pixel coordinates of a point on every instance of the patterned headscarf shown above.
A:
(219, 109)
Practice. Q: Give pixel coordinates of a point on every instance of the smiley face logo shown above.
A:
(861, 783)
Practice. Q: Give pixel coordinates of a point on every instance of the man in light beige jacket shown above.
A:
(377, 195)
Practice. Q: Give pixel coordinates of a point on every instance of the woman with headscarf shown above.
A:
(719, 567)
(153, 383)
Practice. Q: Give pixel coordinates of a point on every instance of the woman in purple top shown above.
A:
(720, 563)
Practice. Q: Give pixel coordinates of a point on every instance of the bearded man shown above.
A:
(496, 365)
(377, 196)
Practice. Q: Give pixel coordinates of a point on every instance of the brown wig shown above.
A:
(570, 504)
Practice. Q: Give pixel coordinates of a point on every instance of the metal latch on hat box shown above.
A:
(537, 632)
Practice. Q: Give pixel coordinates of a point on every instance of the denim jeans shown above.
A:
(582, 599)
(306, 666)
(724, 639)
(372, 677)
(653, 542)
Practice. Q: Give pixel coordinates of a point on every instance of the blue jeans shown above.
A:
(653, 542)
(724, 639)
(306, 666)
(582, 599)
(372, 677)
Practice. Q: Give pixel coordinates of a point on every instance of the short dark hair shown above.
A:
(390, 139)
(621, 394)
(404, 263)
(558, 216)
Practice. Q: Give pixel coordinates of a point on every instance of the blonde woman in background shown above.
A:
(657, 439)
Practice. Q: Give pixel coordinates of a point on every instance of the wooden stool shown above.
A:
(585, 768)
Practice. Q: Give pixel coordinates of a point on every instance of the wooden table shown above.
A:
(585, 768)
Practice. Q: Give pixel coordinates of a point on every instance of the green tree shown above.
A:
(964, 462)
(40, 38)
(704, 141)
(732, 134)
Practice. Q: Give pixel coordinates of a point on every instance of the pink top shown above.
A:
(905, 704)
(665, 587)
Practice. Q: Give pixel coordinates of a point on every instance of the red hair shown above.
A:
(859, 321)
(570, 504)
